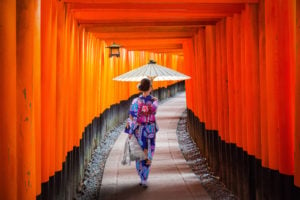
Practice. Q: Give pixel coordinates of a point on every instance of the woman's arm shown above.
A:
(154, 104)
(132, 119)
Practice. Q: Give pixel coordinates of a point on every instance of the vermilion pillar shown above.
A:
(280, 68)
(252, 80)
(243, 119)
(230, 80)
(36, 101)
(203, 74)
(48, 90)
(196, 71)
(208, 121)
(237, 78)
(263, 86)
(201, 78)
(8, 145)
(297, 110)
(60, 86)
(210, 36)
(81, 81)
(188, 64)
(219, 80)
(28, 69)
(224, 82)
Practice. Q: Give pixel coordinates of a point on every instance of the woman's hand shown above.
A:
(129, 136)
(154, 98)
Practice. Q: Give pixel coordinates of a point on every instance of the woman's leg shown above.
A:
(143, 167)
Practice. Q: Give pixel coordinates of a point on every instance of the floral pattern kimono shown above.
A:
(143, 126)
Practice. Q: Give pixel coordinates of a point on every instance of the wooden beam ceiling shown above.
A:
(160, 1)
(125, 15)
(165, 23)
(102, 23)
(150, 6)
(137, 29)
(144, 35)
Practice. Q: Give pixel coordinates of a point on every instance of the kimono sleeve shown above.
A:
(154, 105)
(132, 120)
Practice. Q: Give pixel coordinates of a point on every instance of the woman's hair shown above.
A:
(144, 85)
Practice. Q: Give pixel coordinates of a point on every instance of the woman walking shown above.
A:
(142, 125)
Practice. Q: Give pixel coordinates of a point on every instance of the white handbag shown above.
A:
(132, 151)
(135, 150)
(126, 155)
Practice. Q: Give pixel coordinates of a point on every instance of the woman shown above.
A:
(142, 125)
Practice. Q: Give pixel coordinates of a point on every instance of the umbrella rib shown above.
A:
(144, 72)
(182, 75)
(166, 72)
(139, 72)
(148, 70)
(163, 72)
(169, 72)
(155, 73)
(152, 71)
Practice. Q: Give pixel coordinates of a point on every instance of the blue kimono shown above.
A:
(142, 124)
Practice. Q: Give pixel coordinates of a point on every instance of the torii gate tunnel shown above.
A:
(58, 96)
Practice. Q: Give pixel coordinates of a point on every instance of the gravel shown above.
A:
(89, 187)
(212, 184)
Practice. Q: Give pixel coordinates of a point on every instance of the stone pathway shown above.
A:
(170, 176)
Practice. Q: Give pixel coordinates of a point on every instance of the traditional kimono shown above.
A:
(143, 126)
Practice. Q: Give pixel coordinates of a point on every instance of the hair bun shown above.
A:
(144, 85)
(140, 87)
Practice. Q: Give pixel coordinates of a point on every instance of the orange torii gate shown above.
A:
(57, 77)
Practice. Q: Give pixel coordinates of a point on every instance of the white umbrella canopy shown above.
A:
(152, 71)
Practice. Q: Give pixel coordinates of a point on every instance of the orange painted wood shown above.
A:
(8, 113)
(203, 74)
(139, 29)
(60, 87)
(297, 100)
(272, 52)
(210, 36)
(28, 55)
(144, 35)
(252, 80)
(287, 63)
(219, 80)
(48, 94)
(187, 47)
(36, 100)
(199, 77)
(243, 84)
(224, 82)
(91, 15)
(163, 1)
(230, 80)
(207, 84)
(207, 7)
(263, 86)
(140, 22)
(52, 84)
(237, 78)
(196, 73)
(280, 66)
(152, 45)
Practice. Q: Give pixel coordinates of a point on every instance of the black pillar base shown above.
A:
(242, 173)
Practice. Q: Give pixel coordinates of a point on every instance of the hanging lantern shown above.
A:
(114, 50)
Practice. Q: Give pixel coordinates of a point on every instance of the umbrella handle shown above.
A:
(151, 78)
